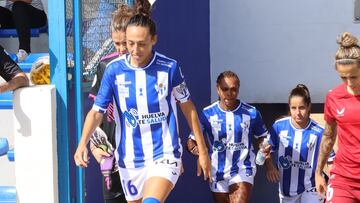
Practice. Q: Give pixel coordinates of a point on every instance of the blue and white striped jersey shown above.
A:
(298, 150)
(230, 134)
(145, 114)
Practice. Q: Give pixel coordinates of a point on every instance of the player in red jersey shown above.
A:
(342, 116)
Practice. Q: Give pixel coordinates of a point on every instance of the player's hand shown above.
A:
(192, 147)
(100, 140)
(272, 174)
(267, 151)
(98, 153)
(81, 156)
(320, 185)
(204, 165)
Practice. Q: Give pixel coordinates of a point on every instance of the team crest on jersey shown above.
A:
(161, 88)
(284, 138)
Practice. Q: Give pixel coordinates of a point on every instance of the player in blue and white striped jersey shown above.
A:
(145, 86)
(296, 139)
(231, 125)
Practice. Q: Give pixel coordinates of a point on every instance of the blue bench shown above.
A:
(7, 194)
(34, 32)
(6, 100)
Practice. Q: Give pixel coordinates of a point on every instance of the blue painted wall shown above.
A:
(183, 34)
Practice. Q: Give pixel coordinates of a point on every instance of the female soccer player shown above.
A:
(342, 117)
(145, 86)
(296, 138)
(231, 125)
(105, 137)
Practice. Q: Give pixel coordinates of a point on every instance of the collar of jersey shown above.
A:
(127, 59)
(300, 129)
(223, 110)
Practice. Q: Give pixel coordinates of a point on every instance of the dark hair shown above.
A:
(122, 16)
(301, 91)
(348, 51)
(228, 74)
(142, 16)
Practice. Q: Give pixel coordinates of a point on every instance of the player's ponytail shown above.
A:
(120, 18)
(142, 7)
(348, 51)
(301, 91)
(142, 16)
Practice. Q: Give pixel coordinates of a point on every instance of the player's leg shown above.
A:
(161, 179)
(220, 191)
(240, 186)
(115, 194)
(157, 188)
(240, 192)
(221, 197)
(310, 195)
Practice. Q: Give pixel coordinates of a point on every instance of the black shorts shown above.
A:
(115, 193)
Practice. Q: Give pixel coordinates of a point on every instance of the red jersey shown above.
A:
(344, 109)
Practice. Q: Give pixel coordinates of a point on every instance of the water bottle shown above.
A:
(260, 156)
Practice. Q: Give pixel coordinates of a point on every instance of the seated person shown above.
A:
(11, 72)
(23, 15)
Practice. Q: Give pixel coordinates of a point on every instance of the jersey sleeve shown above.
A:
(328, 115)
(260, 129)
(274, 138)
(180, 90)
(105, 93)
(8, 67)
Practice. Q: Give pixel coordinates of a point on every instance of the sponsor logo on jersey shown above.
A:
(340, 112)
(168, 162)
(221, 145)
(286, 162)
(164, 63)
(132, 118)
(123, 90)
(152, 118)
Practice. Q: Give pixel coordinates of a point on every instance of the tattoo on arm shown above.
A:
(327, 143)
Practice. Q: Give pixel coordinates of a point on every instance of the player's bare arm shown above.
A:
(327, 144)
(190, 114)
(93, 120)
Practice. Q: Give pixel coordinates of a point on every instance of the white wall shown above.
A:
(36, 168)
(274, 45)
